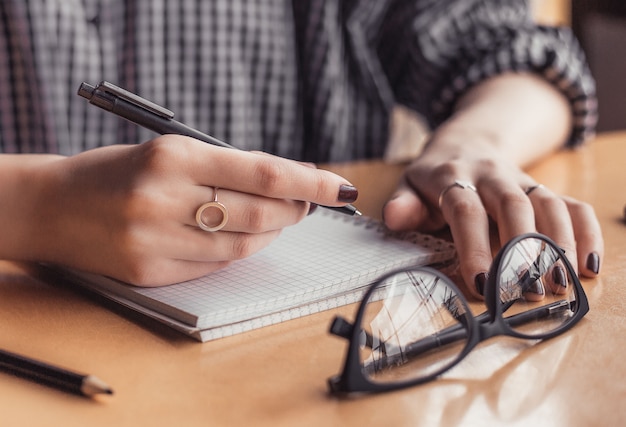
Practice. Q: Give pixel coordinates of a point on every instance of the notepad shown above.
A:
(325, 261)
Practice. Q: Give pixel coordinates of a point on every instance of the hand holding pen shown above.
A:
(130, 211)
(159, 119)
(134, 212)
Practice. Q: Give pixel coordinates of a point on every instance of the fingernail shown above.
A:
(312, 208)
(558, 276)
(479, 281)
(347, 194)
(593, 262)
(536, 288)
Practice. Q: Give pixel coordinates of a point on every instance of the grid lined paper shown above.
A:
(312, 266)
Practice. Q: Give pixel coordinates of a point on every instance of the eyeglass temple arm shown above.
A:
(343, 328)
(459, 332)
(542, 312)
(454, 334)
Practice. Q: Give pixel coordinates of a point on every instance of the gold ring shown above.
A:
(533, 188)
(214, 205)
(457, 183)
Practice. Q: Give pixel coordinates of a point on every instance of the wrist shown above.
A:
(26, 216)
(535, 123)
(453, 142)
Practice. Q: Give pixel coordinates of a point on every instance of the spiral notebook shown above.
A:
(325, 261)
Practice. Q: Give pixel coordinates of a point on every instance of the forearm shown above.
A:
(21, 216)
(518, 116)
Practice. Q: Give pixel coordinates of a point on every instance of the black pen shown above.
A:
(53, 376)
(154, 117)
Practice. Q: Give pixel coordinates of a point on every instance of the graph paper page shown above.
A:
(324, 255)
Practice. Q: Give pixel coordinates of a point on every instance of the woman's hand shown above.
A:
(500, 126)
(500, 196)
(129, 211)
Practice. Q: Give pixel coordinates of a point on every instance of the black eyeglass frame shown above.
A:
(353, 380)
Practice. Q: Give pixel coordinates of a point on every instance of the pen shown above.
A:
(154, 117)
(53, 376)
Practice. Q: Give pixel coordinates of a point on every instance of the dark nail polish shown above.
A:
(593, 262)
(312, 208)
(559, 277)
(347, 194)
(479, 281)
(536, 288)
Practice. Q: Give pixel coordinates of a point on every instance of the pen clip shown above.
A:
(134, 99)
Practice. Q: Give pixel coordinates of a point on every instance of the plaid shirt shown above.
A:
(309, 79)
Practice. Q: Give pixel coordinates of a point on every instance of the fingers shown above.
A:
(573, 225)
(464, 212)
(139, 203)
(265, 175)
(508, 205)
(553, 219)
(406, 211)
(193, 244)
(588, 236)
(183, 253)
(501, 197)
(170, 271)
(414, 206)
(247, 213)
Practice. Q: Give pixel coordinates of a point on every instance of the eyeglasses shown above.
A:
(414, 324)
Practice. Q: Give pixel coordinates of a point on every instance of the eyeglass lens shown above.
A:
(536, 289)
(403, 324)
(415, 325)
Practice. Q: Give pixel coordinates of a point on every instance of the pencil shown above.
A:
(53, 376)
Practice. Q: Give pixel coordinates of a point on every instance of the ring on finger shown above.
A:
(214, 204)
(457, 183)
(533, 188)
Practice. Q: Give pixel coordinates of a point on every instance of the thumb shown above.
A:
(405, 210)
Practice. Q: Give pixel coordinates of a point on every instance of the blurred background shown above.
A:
(600, 25)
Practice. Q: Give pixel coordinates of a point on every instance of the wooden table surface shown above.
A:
(276, 376)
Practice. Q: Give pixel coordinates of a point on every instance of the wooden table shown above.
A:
(276, 376)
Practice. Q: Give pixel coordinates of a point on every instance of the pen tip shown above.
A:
(357, 212)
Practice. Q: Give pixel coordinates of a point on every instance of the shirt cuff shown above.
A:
(552, 53)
